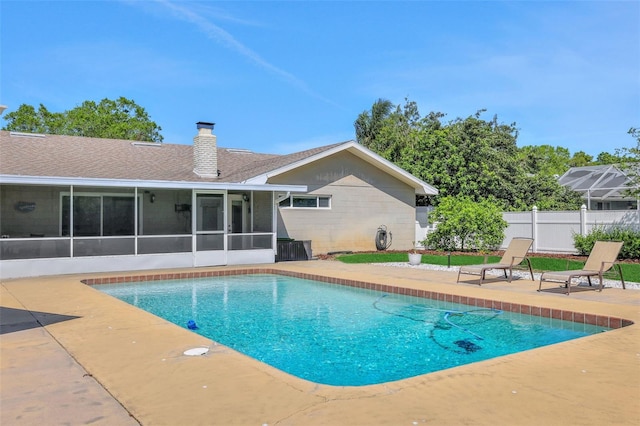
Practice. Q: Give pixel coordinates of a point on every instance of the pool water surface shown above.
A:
(340, 335)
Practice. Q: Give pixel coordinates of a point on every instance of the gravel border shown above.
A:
(520, 274)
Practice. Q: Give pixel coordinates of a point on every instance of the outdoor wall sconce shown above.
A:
(245, 197)
(152, 198)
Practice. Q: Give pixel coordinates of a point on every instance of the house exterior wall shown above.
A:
(262, 211)
(362, 199)
(43, 220)
(162, 217)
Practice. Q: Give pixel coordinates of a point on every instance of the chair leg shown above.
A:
(600, 276)
(624, 287)
(530, 269)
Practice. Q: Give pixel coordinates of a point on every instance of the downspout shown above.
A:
(71, 219)
(135, 221)
(274, 225)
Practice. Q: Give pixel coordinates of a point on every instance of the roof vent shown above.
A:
(239, 151)
(153, 144)
(27, 135)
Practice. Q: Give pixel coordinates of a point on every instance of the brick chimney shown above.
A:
(205, 153)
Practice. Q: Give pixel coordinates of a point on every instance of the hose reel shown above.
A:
(383, 238)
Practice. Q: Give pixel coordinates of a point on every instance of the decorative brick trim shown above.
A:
(579, 317)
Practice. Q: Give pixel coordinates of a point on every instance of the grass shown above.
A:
(630, 271)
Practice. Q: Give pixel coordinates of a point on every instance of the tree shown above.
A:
(466, 225)
(632, 164)
(368, 123)
(119, 119)
(606, 158)
(544, 192)
(27, 119)
(469, 157)
(544, 159)
(580, 159)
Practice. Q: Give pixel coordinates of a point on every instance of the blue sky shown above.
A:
(280, 77)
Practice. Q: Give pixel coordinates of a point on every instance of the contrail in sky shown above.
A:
(225, 39)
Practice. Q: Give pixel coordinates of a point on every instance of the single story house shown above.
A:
(73, 204)
(603, 187)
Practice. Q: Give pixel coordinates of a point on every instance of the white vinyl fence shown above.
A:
(552, 231)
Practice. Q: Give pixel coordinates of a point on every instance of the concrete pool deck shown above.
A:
(70, 354)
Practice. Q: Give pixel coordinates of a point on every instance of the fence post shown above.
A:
(534, 228)
(583, 220)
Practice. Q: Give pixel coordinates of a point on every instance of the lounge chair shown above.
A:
(602, 258)
(515, 254)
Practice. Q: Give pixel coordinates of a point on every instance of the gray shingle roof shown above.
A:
(73, 156)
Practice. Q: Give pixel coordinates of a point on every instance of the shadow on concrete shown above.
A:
(574, 289)
(12, 320)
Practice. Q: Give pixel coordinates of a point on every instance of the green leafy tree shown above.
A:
(27, 119)
(112, 119)
(368, 123)
(544, 159)
(580, 159)
(631, 164)
(605, 158)
(464, 224)
(544, 192)
(469, 157)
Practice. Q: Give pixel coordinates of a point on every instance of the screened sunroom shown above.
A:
(89, 225)
(602, 187)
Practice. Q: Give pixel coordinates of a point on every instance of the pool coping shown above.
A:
(534, 310)
(137, 358)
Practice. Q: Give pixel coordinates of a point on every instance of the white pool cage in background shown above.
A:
(603, 187)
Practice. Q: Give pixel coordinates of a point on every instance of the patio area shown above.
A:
(73, 355)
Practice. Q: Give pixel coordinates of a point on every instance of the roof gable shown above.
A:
(304, 158)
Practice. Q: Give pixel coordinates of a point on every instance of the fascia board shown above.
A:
(66, 181)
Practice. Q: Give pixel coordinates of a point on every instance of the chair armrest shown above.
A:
(602, 267)
(513, 260)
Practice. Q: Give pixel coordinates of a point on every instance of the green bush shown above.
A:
(463, 224)
(629, 237)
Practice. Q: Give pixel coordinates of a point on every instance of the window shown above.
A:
(306, 202)
(98, 215)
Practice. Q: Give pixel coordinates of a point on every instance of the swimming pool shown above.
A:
(339, 335)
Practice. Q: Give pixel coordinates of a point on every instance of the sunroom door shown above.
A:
(237, 222)
(209, 221)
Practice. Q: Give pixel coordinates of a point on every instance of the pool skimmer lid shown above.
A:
(196, 351)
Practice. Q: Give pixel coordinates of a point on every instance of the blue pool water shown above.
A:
(339, 335)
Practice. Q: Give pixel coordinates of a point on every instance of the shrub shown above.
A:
(629, 237)
(463, 224)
